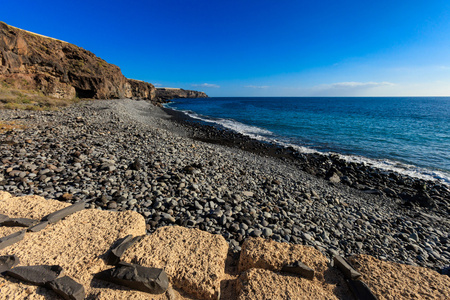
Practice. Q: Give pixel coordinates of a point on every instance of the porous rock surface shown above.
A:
(397, 281)
(271, 256)
(76, 243)
(33, 207)
(4, 195)
(265, 284)
(194, 260)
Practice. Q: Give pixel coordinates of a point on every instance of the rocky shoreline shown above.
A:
(409, 191)
(128, 155)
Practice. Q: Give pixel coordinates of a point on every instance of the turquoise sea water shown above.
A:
(408, 135)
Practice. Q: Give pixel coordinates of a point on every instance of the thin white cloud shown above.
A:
(257, 86)
(349, 88)
(157, 84)
(208, 85)
(358, 85)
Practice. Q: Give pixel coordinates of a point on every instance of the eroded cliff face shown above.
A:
(165, 94)
(61, 70)
(142, 90)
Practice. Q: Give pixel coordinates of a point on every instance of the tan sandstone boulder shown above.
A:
(76, 243)
(258, 253)
(397, 281)
(194, 260)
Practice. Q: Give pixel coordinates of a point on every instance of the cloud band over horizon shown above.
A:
(208, 85)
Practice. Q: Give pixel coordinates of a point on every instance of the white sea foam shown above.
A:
(248, 130)
(384, 165)
(401, 168)
(268, 136)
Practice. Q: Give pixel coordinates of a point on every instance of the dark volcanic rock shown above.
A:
(19, 222)
(345, 268)
(7, 262)
(38, 275)
(58, 215)
(67, 288)
(11, 239)
(150, 280)
(299, 268)
(113, 257)
(361, 290)
(3, 218)
(38, 227)
(136, 165)
(446, 271)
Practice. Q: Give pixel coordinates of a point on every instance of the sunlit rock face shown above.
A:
(61, 70)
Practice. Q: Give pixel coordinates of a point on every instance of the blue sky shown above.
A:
(259, 48)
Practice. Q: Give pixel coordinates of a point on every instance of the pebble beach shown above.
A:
(131, 155)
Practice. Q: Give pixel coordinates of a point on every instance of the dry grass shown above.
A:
(11, 98)
(6, 126)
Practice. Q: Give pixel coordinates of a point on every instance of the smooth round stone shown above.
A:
(168, 217)
(243, 226)
(267, 232)
(414, 236)
(217, 213)
(256, 233)
(198, 206)
(307, 236)
(112, 205)
(234, 227)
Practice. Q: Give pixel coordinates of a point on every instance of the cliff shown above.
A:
(165, 94)
(61, 70)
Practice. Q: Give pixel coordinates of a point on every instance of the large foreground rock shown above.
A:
(37, 275)
(4, 195)
(270, 255)
(396, 281)
(136, 277)
(194, 260)
(265, 284)
(75, 243)
(33, 207)
(262, 260)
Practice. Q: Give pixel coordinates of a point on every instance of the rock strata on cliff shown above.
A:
(165, 94)
(61, 70)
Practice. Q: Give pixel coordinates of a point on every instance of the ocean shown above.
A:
(409, 135)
